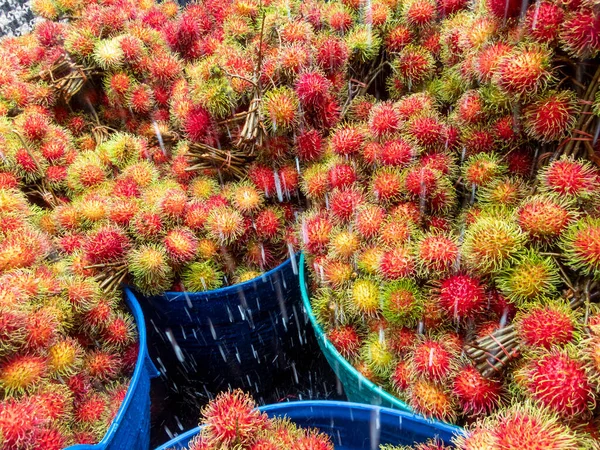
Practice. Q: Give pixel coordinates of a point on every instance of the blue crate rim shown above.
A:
(140, 365)
(343, 361)
(223, 291)
(280, 409)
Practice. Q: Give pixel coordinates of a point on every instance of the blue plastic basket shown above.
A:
(130, 429)
(357, 388)
(351, 426)
(235, 335)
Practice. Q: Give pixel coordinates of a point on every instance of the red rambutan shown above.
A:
(418, 13)
(397, 263)
(551, 117)
(344, 202)
(414, 64)
(580, 33)
(462, 296)
(309, 145)
(432, 400)
(397, 152)
(436, 253)
(383, 119)
(543, 21)
(475, 394)
(347, 141)
(546, 325)
(198, 125)
(346, 340)
(386, 185)
(312, 89)
(572, 178)
(331, 53)
(315, 233)
(341, 175)
(22, 372)
(544, 217)
(181, 245)
(107, 244)
(524, 71)
(428, 131)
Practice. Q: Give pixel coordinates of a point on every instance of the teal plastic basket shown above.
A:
(130, 429)
(358, 388)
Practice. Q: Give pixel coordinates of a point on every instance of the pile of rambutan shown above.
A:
(452, 220)
(231, 421)
(67, 348)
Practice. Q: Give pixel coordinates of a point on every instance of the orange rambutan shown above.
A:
(21, 373)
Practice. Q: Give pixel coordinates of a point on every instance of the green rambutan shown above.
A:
(108, 54)
(402, 302)
(558, 380)
(149, 266)
(201, 276)
(482, 168)
(377, 356)
(364, 297)
(13, 330)
(581, 246)
(503, 192)
(363, 43)
(414, 64)
(87, 170)
(529, 277)
(280, 109)
(224, 224)
(490, 242)
(553, 323)
(343, 244)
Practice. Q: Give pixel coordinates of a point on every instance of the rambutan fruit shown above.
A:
(580, 33)
(119, 331)
(581, 246)
(35, 126)
(106, 244)
(368, 259)
(341, 174)
(418, 13)
(89, 411)
(309, 145)
(401, 378)
(386, 185)
(288, 179)
(232, 418)
(421, 183)
(503, 192)
(363, 43)
(543, 21)
(108, 54)
(432, 400)
(504, 10)
(315, 182)
(462, 296)
(551, 117)
(521, 425)
(376, 355)
(201, 276)
(224, 224)
(397, 152)
(88, 170)
(364, 296)
(543, 326)
(482, 168)
(427, 131)
(414, 64)
(23, 248)
(343, 244)
(431, 360)
(436, 253)
(346, 340)
(383, 119)
(312, 89)
(344, 202)
(347, 141)
(470, 108)
(524, 71)
(530, 277)
(402, 302)
(331, 53)
(336, 273)
(398, 37)
(519, 162)
(475, 394)
(368, 220)
(49, 439)
(280, 109)
(147, 225)
(395, 231)
(21, 373)
(65, 357)
(102, 365)
(198, 125)
(575, 179)
(396, 263)
(490, 242)
(557, 380)
(315, 230)
(268, 224)
(19, 420)
(448, 7)
(149, 266)
(13, 331)
(181, 245)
